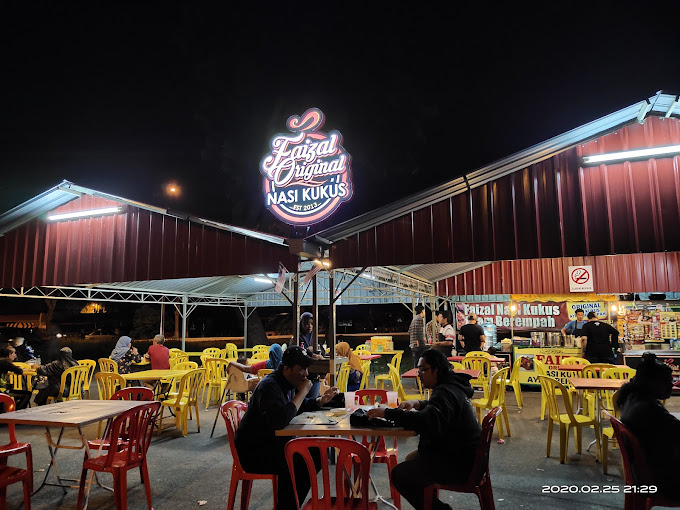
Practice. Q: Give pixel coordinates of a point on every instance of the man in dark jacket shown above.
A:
(277, 399)
(448, 428)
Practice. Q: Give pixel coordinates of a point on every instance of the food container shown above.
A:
(537, 339)
(555, 339)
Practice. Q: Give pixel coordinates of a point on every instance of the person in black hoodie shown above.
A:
(448, 428)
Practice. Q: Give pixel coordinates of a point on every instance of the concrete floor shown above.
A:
(186, 470)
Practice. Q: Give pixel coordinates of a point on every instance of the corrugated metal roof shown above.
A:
(662, 105)
(434, 272)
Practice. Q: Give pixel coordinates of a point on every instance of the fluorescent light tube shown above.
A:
(639, 153)
(263, 280)
(83, 214)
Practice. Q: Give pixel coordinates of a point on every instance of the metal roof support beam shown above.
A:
(348, 285)
(184, 313)
(246, 315)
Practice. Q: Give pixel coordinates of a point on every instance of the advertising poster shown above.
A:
(551, 357)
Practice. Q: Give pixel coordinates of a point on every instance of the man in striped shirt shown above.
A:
(416, 334)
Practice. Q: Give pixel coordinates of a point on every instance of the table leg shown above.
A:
(224, 394)
(372, 449)
(53, 459)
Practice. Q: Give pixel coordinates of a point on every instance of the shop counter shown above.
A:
(552, 359)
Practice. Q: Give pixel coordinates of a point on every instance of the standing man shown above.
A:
(416, 334)
(447, 338)
(574, 327)
(471, 335)
(275, 402)
(158, 354)
(596, 345)
(434, 327)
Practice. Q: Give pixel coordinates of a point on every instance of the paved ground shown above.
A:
(186, 470)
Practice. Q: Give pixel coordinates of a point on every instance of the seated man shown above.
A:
(7, 357)
(158, 354)
(275, 402)
(448, 429)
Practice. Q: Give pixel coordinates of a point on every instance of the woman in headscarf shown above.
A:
(306, 329)
(275, 357)
(53, 373)
(124, 354)
(343, 349)
(647, 418)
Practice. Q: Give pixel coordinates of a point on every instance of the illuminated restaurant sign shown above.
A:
(306, 173)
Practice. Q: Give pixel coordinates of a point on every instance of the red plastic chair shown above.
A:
(232, 412)
(633, 455)
(136, 393)
(348, 452)
(479, 481)
(8, 474)
(382, 455)
(135, 427)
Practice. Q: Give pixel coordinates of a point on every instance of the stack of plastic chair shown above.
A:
(232, 412)
(637, 471)
(107, 365)
(215, 379)
(496, 399)
(135, 428)
(513, 381)
(177, 359)
(348, 453)
(396, 363)
(8, 474)
(343, 378)
(389, 456)
(481, 363)
(567, 419)
(90, 364)
(186, 398)
(479, 480)
(72, 380)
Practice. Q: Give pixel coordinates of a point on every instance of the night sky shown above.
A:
(125, 99)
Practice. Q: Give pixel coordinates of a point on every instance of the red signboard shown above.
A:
(528, 316)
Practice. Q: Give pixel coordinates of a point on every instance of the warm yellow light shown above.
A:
(513, 308)
(172, 189)
(614, 308)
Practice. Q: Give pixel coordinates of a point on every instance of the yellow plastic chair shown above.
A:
(230, 351)
(186, 365)
(478, 354)
(573, 360)
(540, 370)
(175, 352)
(187, 397)
(607, 434)
(17, 381)
(260, 348)
(482, 364)
(212, 351)
(90, 364)
(396, 363)
(72, 380)
(595, 371)
(457, 365)
(365, 375)
(565, 420)
(264, 371)
(618, 372)
(399, 388)
(496, 399)
(107, 365)
(108, 383)
(513, 381)
(343, 378)
(177, 359)
(261, 356)
(362, 349)
(215, 379)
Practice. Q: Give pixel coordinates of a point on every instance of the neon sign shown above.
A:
(307, 174)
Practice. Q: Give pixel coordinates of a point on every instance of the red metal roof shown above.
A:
(554, 208)
(137, 244)
(617, 274)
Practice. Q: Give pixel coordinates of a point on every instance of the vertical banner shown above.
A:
(310, 274)
(281, 279)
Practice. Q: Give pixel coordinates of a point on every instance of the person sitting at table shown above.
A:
(124, 354)
(275, 355)
(354, 381)
(647, 418)
(21, 397)
(158, 354)
(275, 402)
(53, 373)
(25, 353)
(448, 428)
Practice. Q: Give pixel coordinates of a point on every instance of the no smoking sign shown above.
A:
(581, 279)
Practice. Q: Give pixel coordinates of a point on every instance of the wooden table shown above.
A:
(492, 359)
(69, 414)
(413, 373)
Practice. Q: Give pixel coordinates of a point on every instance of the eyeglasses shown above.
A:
(422, 370)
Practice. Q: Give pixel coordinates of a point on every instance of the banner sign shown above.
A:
(307, 175)
(533, 316)
(551, 357)
(281, 279)
(600, 308)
